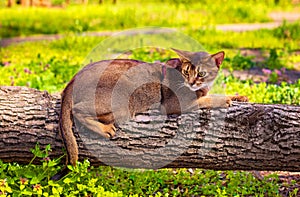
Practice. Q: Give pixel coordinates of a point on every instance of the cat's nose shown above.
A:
(192, 82)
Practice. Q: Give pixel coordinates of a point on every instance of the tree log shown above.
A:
(246, 136)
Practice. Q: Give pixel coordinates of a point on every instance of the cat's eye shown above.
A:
(186, 72)
(187, 68)
(201, 74)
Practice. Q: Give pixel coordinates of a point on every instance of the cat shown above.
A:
(110, 91)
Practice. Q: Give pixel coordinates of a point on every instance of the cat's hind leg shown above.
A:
(93, 123)
(100, 122)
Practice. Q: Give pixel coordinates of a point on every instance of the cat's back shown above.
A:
(105, 74)
(115, 65)
(93, 72)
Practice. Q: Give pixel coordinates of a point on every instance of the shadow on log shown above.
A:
(246, 136)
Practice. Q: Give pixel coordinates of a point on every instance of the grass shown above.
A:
(263, 92)
(19, 21)
(18, 180)
(263, 39)
(49, 65)
(52, 65)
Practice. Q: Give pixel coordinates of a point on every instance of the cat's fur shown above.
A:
(111, 91)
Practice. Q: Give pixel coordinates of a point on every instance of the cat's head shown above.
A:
(199, 69)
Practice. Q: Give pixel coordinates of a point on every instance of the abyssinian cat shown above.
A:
(109, 91)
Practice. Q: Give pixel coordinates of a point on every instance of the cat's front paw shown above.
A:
(239, 98)
(214, 102)
(108, 130)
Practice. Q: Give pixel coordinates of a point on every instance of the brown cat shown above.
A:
(111, 91)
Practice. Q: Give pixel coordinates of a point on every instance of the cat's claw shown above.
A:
(108, 130)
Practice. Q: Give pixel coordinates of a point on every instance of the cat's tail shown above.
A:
(66, 125)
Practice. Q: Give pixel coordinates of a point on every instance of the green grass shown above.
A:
(288, 31)
(45, 65)
(264, 39)
(263, 92)
(22, 180)
(49, 65)
(19, 21)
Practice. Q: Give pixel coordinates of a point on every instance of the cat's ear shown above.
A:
(185, 56)
(218, 58)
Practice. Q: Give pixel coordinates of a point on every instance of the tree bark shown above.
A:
(246, 136)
